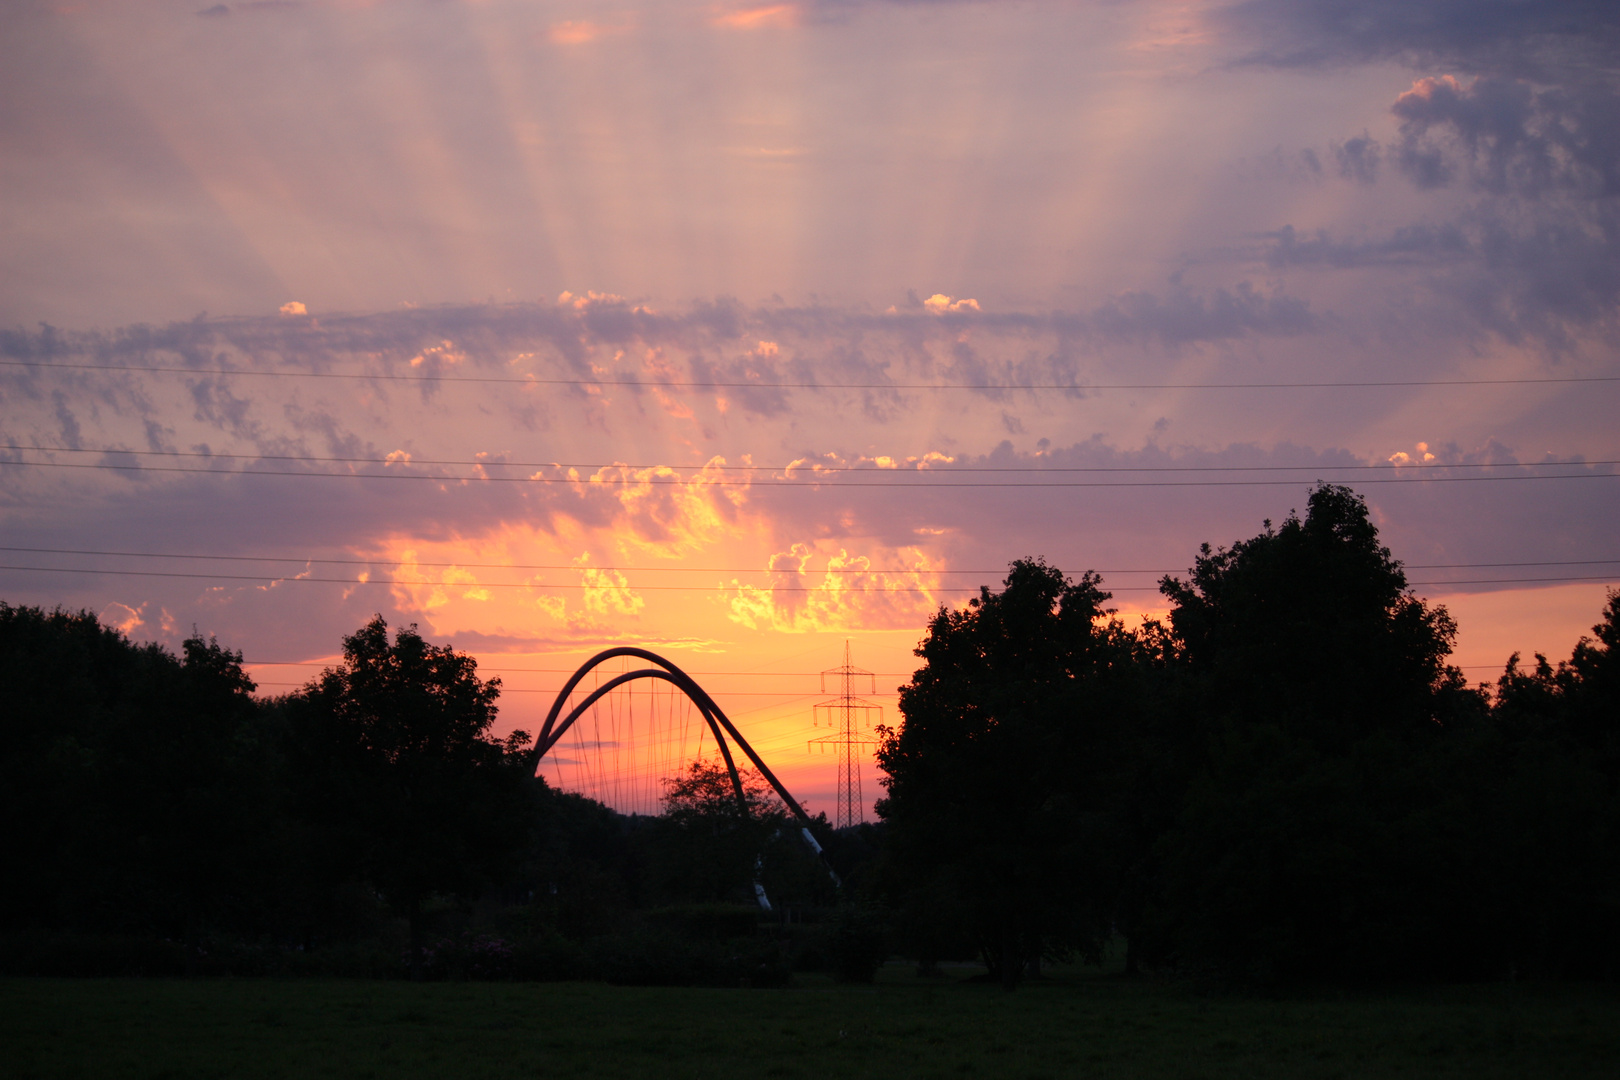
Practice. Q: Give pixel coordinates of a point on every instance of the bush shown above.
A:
(550, 958)
(704, 922)
(355, 960)
(810, 946)
(657, 960)
(858, 943)
(479, 957)
(78, 955)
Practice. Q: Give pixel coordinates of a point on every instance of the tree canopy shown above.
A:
(400, 730)
(1311, 624)
(707, 846)
(132, 791)
(1328, 759)
(995, 779)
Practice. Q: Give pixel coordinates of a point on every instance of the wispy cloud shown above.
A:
(754, 18)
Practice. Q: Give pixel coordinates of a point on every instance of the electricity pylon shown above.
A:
(850, 718)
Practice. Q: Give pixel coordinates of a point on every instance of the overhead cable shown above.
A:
(811, 470)
(658, 588)
(301, 560)
(722, 384)
(811, 483)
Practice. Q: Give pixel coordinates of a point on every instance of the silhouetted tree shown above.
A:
(583, 868)
(133, 794)
(1314, 695)
(1543, 795)
(707, 846)
(1311, 625)
(1590, 684)
(434, 804)
(1578, 704)
(1000, 777)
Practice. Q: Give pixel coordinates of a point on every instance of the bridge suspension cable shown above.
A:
(621, 778)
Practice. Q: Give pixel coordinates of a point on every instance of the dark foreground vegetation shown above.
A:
(1286, 784)
(1066, 1025)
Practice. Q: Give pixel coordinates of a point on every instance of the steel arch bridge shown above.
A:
(557, 724)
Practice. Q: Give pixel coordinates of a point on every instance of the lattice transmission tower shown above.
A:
(851, 719)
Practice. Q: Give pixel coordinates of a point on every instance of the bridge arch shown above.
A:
(557, 724)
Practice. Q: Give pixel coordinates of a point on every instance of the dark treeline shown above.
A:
(1284, 780)
(1287, 780)
(156, 817)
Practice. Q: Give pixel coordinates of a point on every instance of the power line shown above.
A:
(811, 470)
(699, 569)
(448, 584)
(570, 671)
(659, 588)
(787, 697)
(717, 384)
(520, 690)
(810, 483)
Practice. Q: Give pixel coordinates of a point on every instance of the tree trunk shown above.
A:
(1012, 965)
(416, 938)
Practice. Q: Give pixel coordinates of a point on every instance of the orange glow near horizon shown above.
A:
(768, 683)
(756, 648)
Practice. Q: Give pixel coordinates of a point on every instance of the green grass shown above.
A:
(1074, 1025)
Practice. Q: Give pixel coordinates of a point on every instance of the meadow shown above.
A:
(1071, 1024)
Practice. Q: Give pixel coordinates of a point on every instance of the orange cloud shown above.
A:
(607, 592)
(583, 31)
(1421, 457)
(939, 303)
(591, 298)
(828, 463)
(1425, 88)
(756, 17)
(674, 515)
(444, 351)
(428, 589)
(122, 617)
(849, 594)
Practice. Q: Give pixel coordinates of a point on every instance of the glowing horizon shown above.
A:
(1084, 281)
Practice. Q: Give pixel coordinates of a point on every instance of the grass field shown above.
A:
(1075, 1024)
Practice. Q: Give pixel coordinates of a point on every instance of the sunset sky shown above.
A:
(739, 332)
